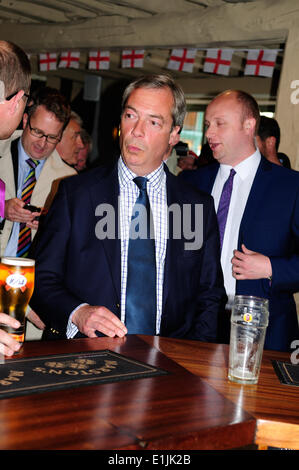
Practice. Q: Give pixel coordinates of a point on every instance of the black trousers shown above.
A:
(223, 333)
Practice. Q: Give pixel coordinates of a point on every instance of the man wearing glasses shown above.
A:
(30, 152)
(31, 170)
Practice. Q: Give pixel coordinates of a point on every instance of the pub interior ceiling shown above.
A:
(157, 26)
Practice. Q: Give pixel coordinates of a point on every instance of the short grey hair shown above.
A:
(75, 117)
(158, 82)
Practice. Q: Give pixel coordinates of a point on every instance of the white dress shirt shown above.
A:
(243, 179)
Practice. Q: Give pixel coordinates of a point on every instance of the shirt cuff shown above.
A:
(71, 329)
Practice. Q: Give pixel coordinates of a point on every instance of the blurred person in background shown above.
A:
(82, 157)
(188, 162)
(71, 142)
(268, 140)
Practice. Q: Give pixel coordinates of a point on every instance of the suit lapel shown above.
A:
(174, 246)
(255, 198)
(209, 174)
(15, 160)
(106, 191)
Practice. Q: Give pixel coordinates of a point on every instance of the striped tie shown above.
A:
(27, 190)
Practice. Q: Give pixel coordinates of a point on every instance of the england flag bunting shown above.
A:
(99, 60)
(182, 60)
(132, 58)
(69, 60)
(261, 62)
(47, 61)
(218, 61)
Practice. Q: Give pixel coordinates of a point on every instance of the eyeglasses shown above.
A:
(14, 94)
(52, 139)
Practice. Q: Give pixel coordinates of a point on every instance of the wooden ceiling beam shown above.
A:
(229, 24)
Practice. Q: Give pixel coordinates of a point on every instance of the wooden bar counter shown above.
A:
(194, 406)
(274, 405)
(174, 411)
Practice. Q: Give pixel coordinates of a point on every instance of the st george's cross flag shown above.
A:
(218, 61)
(132, 58)
(69, 59)
(182, 60)
(48, 61)
(99, 60)
(261, 62)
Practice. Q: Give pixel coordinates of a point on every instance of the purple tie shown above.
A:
(224, 204)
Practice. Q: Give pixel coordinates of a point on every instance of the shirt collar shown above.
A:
(23, 156)
(244, 169)
(155, 178)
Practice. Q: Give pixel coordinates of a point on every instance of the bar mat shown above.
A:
(57, 372)
(287, 373)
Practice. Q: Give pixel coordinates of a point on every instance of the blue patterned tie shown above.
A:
(141, 304)
(27, 190)
(224, 204)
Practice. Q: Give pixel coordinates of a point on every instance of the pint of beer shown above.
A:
(16, 288)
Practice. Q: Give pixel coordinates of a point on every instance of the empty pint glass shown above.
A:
(249, 320)
(16, 287)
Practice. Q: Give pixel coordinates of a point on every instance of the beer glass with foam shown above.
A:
(16, 288)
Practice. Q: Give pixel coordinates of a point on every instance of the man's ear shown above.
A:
(174, 136)
(249, 126)
(25, 120)
(15, 102)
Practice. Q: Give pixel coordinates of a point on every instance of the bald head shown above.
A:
(231, 122)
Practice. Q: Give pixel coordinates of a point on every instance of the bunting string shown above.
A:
(259, 62)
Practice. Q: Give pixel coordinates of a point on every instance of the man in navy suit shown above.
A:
(81, 274)
(260, 252)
